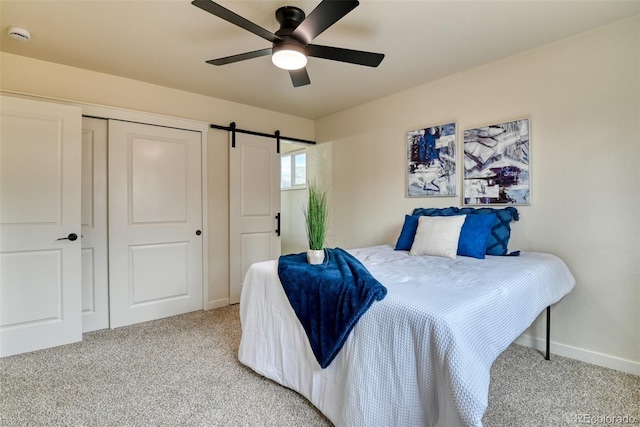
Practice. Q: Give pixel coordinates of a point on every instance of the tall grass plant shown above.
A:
(316, 215)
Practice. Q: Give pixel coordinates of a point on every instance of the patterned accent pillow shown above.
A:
(435, 211)
(501, 230)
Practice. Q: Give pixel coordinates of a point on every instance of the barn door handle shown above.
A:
(278, 226)
(72, 237)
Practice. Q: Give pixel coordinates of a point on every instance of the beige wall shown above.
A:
(583, 98)
(47, 79)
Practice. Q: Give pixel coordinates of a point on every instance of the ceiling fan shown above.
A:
(291, 43)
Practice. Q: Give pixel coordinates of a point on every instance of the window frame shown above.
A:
(292, 168)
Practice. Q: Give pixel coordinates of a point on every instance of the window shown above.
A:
(293, 170)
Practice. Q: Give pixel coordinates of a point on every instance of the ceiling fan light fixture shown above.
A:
(289, 57)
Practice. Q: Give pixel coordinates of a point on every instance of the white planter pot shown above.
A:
(315, 256)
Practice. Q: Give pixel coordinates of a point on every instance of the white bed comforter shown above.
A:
(419, 357)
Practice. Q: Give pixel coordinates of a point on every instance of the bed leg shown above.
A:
(547, 355)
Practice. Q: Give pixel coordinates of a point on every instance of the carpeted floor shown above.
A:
(183, 371)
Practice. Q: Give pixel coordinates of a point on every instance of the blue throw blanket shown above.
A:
(328, 298)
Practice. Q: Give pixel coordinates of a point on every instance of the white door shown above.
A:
(95, 269)
(155, 222)
(254, 206)
(40, 293)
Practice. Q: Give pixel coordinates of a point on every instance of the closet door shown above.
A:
(155, 218)
(95, 280)
(40, 294)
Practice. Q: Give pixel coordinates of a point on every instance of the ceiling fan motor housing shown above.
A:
(289, 18)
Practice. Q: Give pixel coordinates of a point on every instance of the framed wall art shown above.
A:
(431, 161)
(496, 164)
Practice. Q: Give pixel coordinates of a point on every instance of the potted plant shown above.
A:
(316, 214)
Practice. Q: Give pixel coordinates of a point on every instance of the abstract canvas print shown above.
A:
(496, 164)
(431, 161)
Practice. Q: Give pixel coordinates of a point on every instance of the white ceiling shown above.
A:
(167, 43)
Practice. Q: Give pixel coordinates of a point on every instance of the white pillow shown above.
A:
(438, 236)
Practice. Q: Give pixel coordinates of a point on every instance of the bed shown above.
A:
(419, 357)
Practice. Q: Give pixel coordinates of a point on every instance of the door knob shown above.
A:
(72, 237)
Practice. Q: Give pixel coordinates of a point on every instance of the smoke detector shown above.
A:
(19, 34)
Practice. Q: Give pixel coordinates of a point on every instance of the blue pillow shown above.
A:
(474, 235)
(501, 230)
(408, 233)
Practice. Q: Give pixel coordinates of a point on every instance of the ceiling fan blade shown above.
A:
(299, 77)
(240, 57)
(322, 17)
(229, 16)
(358, 57)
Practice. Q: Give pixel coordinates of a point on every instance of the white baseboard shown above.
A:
(583, 355)
(223, 302)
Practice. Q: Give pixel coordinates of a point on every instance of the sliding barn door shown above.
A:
(155, 222)
(40, 294)
(254, 192)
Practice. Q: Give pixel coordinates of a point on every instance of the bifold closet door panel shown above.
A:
(155, 218)
(95, 274)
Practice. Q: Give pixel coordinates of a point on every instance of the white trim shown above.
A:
(205, 218)
(105, 112)
(583, 355)
(115, 113)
